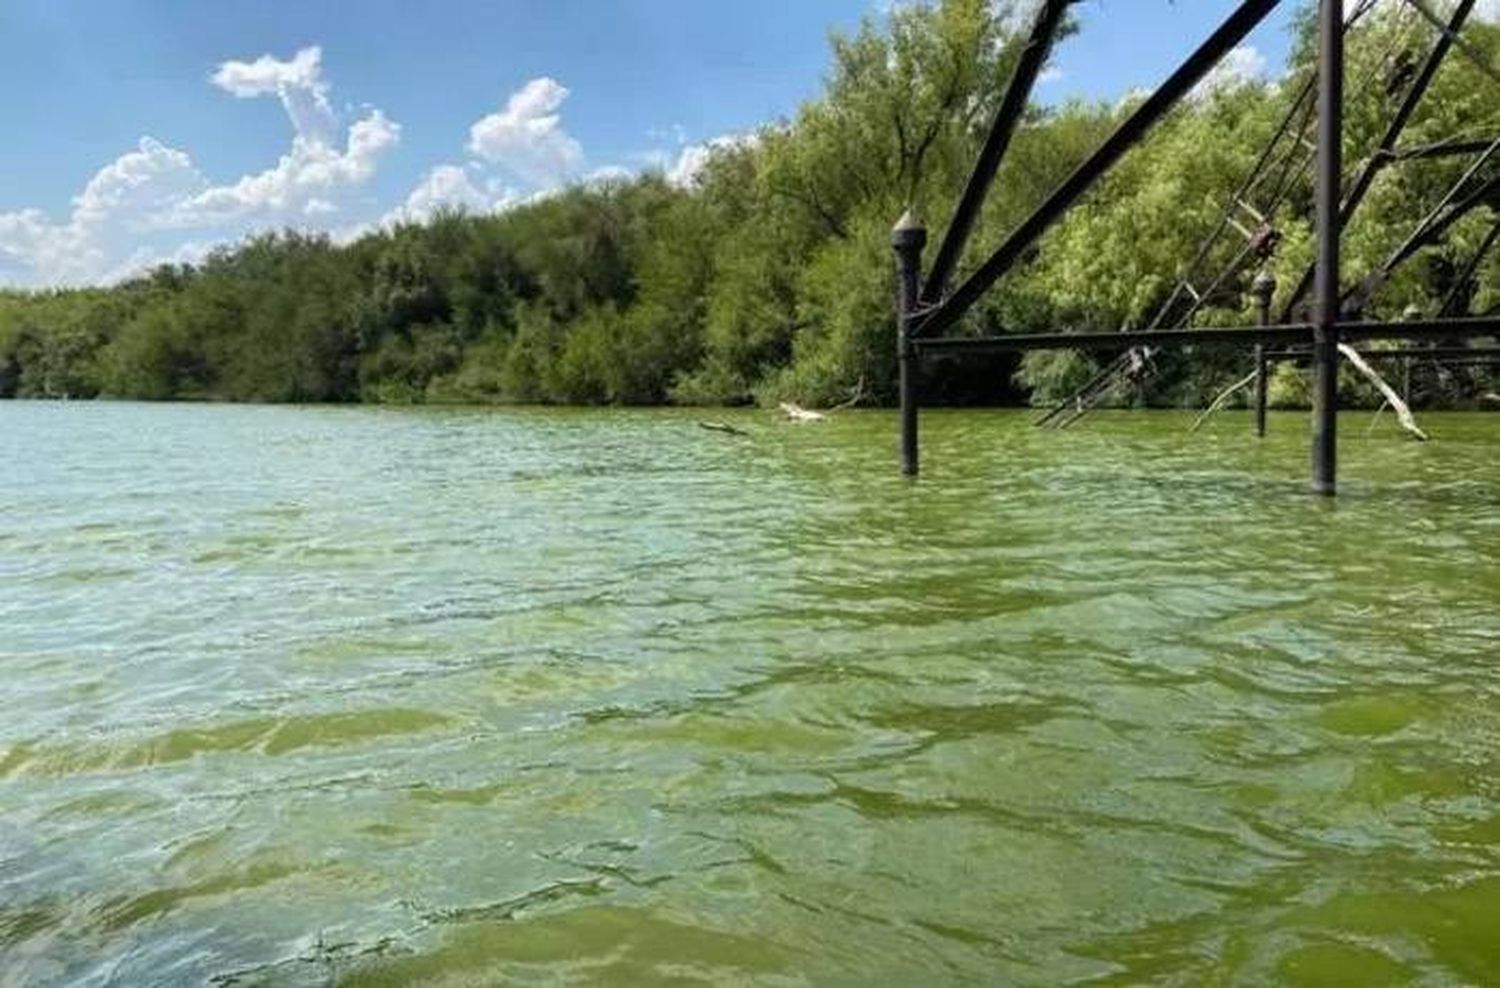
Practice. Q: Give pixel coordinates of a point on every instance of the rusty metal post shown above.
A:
(1264, 290)
(908, 238)
(1329, 230)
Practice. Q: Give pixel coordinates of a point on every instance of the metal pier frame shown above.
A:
(927, 310)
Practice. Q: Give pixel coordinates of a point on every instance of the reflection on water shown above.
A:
(299, 696)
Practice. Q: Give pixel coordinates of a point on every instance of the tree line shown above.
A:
(768, 277)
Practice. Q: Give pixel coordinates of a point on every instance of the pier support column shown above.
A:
(1329, 230)
(1262, 387)
(907, 239)
(1264, 290)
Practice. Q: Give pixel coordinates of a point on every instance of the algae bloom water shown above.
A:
(310, 696)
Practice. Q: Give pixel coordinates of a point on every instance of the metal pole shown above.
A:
(908, 238)
(1385, 151)
(1325, 326)
(1264, 290)
(1260, 391)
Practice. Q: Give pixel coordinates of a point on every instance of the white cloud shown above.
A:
(128, 198)
(120, 219)
(610, 173)
(527, 138)
(310, 170)
(1243, 66)
(448, 187)
(298, 83)
(691, 160)
(138, 187)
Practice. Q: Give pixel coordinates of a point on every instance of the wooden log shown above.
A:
(724, 427)
(1223, 397)
(1402, 410)
(797, 413)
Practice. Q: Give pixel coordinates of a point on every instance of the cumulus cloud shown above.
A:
(520, 154)
(310, 171)
(527, 138)
(122, 215)
(1243, 66)
(297, 82)
(139, 188)
(447, 187)
(692, 159)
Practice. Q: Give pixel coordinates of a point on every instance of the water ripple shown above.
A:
(372, 696)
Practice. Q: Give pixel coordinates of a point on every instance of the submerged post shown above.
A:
(908, 238)
(1329, 190)
(1411, 314)
(1264, 290)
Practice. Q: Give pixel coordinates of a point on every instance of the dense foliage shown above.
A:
(770, 277)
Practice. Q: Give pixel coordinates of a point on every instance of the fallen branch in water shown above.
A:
(797, 413)
(1403, 413)
(855, 397)
(1219, 401)
(724, 427)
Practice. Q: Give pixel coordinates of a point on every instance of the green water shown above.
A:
(299, 696)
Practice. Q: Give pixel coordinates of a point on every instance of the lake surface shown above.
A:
(324, 695)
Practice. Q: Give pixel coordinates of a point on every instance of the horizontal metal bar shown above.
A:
(1022, 342)
(1291, 333)
(1421, 329)
(1430, 352)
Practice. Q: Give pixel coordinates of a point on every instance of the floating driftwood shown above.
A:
(797, 413)
(1218, 402)
(723, 427)
(855, 397)
(1403, 413)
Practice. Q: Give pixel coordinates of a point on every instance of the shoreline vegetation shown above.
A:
(767, 277)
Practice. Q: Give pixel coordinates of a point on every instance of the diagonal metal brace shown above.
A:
(1239, 24)
(1044, 30)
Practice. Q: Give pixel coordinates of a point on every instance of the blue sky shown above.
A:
(149, 130)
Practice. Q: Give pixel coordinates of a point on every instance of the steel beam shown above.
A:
(1421, 329)
(1450, 304)
(1285, 334)
(1329, 228)
(1234, 30)
(1210, 336)
(1434, 226)
(908, 239)
(1044, 29)
(1478, 58)
(1385, 151)
(1443, 353)
(1442, 149)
